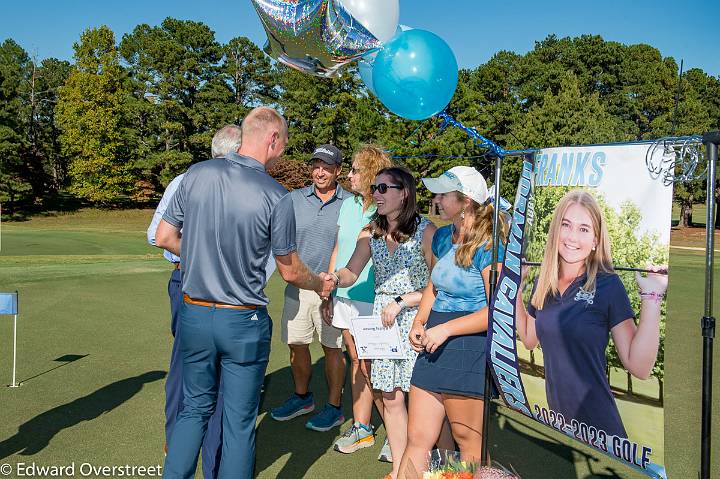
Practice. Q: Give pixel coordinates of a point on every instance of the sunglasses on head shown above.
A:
(382, 188)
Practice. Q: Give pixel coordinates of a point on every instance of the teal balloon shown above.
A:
(365, 63)
(365, 69)
(415, 74)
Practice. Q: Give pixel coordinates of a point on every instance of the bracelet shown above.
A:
(337, 278)
(652, 295)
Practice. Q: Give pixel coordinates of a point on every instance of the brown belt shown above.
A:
(202, 302)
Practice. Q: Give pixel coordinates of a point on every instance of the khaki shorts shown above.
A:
(301, 318)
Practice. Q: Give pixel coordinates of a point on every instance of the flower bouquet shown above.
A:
(445, 464)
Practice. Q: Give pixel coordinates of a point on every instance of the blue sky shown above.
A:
(474, 29)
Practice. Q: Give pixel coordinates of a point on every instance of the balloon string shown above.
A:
(430, 155)
(479, 140)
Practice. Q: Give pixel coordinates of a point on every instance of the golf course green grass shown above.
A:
(94, 344)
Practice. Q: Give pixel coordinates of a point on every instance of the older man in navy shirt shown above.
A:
(233, 216)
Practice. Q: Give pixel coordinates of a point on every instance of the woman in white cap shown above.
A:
(399, 242)
(450, 328)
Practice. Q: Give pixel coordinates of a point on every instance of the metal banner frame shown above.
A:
(707, 324)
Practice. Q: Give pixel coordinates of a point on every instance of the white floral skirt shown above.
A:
(390, 374)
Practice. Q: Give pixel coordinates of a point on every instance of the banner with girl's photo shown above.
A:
(576, 334)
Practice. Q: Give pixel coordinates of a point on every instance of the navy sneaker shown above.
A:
(326, 419)
(295, 406)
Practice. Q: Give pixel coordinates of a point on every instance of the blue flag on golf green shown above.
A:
(8, 303)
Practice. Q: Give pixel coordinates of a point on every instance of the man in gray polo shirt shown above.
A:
(226, 139)
(316, 215)
(232, 215)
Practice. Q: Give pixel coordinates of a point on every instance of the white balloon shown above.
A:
(380, 17)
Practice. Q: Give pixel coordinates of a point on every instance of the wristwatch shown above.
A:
(399, 301)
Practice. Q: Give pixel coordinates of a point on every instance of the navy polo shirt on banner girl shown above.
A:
(457, 366)
(573, 330)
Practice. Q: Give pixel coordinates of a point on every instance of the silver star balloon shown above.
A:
(318, 37)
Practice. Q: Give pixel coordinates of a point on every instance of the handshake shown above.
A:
(328, 281)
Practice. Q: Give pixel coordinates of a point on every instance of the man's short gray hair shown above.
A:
(227, 139)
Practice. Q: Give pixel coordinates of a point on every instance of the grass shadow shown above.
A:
(49, 206)
(276, 439)
(34, 435)
(65, 360)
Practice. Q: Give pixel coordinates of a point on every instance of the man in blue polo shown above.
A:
(233, 215)
(317, 208)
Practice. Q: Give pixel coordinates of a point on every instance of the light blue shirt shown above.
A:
(459, 289)
(159, 212)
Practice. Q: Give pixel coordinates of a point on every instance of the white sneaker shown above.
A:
(356, 437)
(385, 453)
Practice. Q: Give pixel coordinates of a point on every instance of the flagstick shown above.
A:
(14, 382)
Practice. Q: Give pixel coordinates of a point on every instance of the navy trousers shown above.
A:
(214, 342)
(212, 444)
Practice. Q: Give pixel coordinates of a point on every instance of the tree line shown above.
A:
(120, 121)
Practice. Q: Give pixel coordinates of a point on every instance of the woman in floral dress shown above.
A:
(399, 242)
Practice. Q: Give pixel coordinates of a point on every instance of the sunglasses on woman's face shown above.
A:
(383, 187)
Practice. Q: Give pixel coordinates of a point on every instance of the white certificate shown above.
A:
(375, 341)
